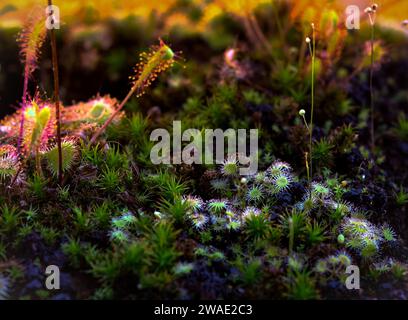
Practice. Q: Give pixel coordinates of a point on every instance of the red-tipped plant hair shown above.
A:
(30, 40)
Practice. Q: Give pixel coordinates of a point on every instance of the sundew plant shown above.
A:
(85, 85)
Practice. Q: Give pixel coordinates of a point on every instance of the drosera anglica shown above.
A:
(159, 59)
(30, 40)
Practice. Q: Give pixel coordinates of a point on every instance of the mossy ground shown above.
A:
(120, 227)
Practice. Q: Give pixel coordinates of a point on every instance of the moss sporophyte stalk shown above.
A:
(372, 12)
(152, 63)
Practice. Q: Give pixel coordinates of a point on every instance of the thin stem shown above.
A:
(250, 31)
(371, 87)
(56, 97)
(105, 125)
(302, 52)
(278, 21)
(307, 168)
(260, 35)
(37, 161)
(21, 133)
(312, 105)
(305, 122)
(291, 236)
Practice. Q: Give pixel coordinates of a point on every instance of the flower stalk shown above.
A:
(56, 96)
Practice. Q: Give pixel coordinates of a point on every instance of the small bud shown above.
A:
(312, 24)
(308, 40)
(340, 238)
(374, 7)
(302, 112)
(344, 183)
(244, 180)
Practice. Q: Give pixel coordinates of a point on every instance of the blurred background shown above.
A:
(99, 40)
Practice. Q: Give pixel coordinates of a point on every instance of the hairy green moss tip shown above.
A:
(217, 206)
(219, 185)
(123, 221)
(119, 236)
(388, 234)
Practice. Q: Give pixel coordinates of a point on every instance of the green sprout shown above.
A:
(301, 285)
(219, 185)
(293, 223)
(256, 224)
(388, 234)
(315, 233)
(176, 209)
(119, 236)
(401, 197)
(401, 129)
(217, 206)
(322, 152)
(110, 179)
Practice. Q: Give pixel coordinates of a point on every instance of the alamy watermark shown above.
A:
(206, 147)
(53, 17)
(52, 282)
(352, 21)
(353, 280)
(353, 17)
